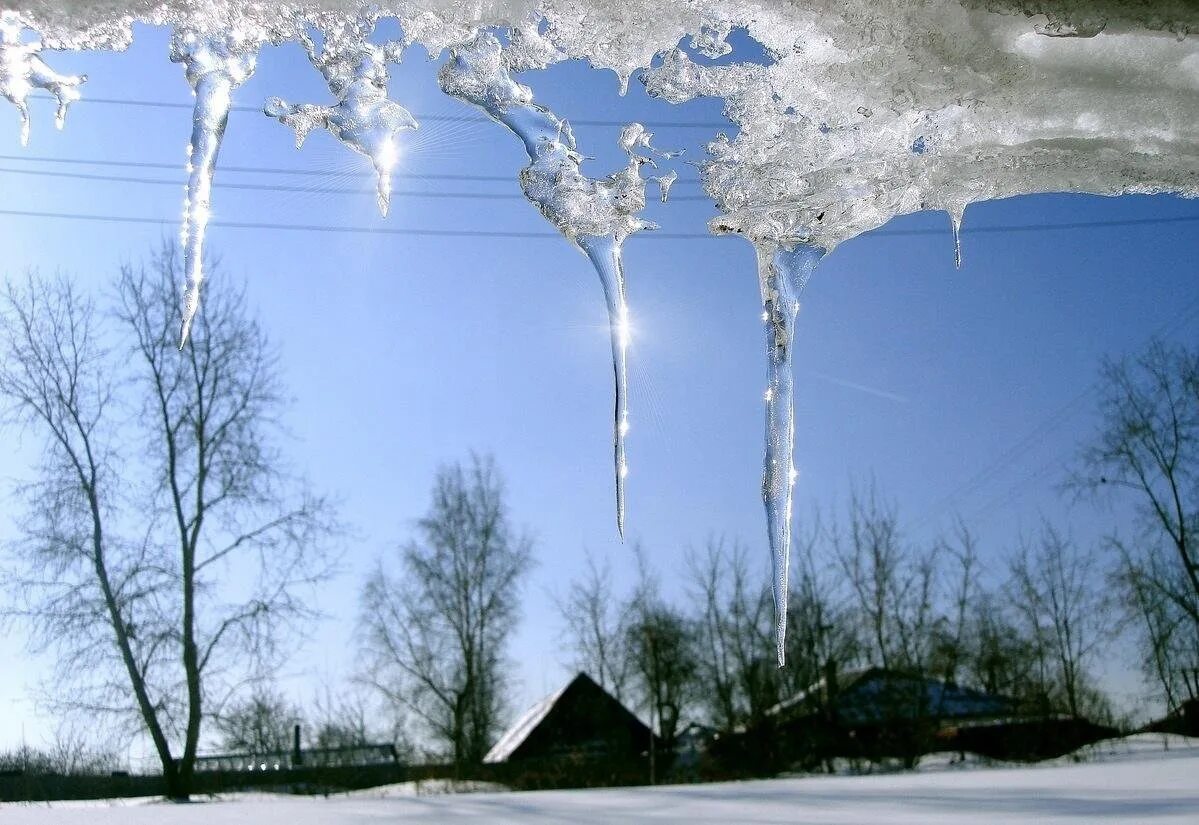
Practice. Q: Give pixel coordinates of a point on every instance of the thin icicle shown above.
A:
(664, 182)
(596, 215)
(22, 70)
(783, 271)
(364, 119)
(216, 64)
(956, 214)
(606, 258)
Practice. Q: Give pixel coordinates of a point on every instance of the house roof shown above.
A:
(522, 727)
(581, 716)
(874, 694)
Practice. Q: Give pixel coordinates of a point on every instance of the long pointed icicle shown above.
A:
(22, 70)
(596, 215)
(605, 256)
(783, 272)
(215, 64)
(364, 119)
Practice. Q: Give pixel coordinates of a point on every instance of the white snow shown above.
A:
(1133, 780)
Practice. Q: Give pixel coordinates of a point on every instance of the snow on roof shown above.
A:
(520, 730)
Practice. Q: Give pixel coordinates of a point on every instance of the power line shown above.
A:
(966, 229)
(175, 167)
(309, 190)
(440, 118)
(477, 233)
(354, 230)
(1036, 434)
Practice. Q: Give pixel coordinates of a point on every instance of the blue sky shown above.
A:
(958, 391)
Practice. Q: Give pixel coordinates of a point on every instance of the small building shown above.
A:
(877, 713)
(578, 736)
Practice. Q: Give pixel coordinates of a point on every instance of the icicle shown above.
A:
(596, 215)
(665, 181)
(216, 64)
(956, 213)
(783, 271)
(605, 255)
(22, 71)
(363, 118)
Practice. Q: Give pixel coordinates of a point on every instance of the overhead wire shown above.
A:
(310, 190)
(429, 116)
(384, 230)
(177, 167)
(1038, 432)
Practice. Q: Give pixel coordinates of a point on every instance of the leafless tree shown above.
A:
(263, 723)
(341, 719)
(1147, 447)
(824, 634)
(734, 679)
(661, 647)
(1169, 641)
(951, 628)
(165, 551)
(434, 632)
(894, 588)
(999, 657)
(1065, 613)
(595, 623)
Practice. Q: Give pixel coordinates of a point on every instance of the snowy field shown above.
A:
(1130, 781)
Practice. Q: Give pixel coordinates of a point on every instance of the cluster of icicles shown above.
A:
(595, 215)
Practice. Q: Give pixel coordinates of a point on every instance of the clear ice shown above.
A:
(364, 119)
(596, 215)
(783, 271)
(215, 63)
(22, 70)
(861, 110)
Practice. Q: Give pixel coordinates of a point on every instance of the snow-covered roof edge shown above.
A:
(523, 726)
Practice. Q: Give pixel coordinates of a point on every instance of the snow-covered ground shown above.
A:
(1139, 779)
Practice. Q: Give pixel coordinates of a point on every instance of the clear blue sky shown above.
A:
(405, 352)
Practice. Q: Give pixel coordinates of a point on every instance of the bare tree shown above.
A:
(263, 723)
(951, 628)
(894, 588)
(736, 678)
(434, 636)
(156, 574)
(1155, 599)
(595, 628)
(824, 633)
(998, 657)
(1065, 613)
(1148, 447)
(661, 647)
(340, 719)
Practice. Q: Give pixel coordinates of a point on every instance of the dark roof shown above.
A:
(581, 717)
(874, 695)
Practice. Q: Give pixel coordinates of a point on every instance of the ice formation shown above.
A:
(783, 271)
(363, 118)
(216, 61)
(22, 70)
(854, 112)
(596, 215)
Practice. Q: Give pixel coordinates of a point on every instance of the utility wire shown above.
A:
(479, 233)
(1020, 448)
(966, 229)
(309, 190)
(440, 118)
(176, 167)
